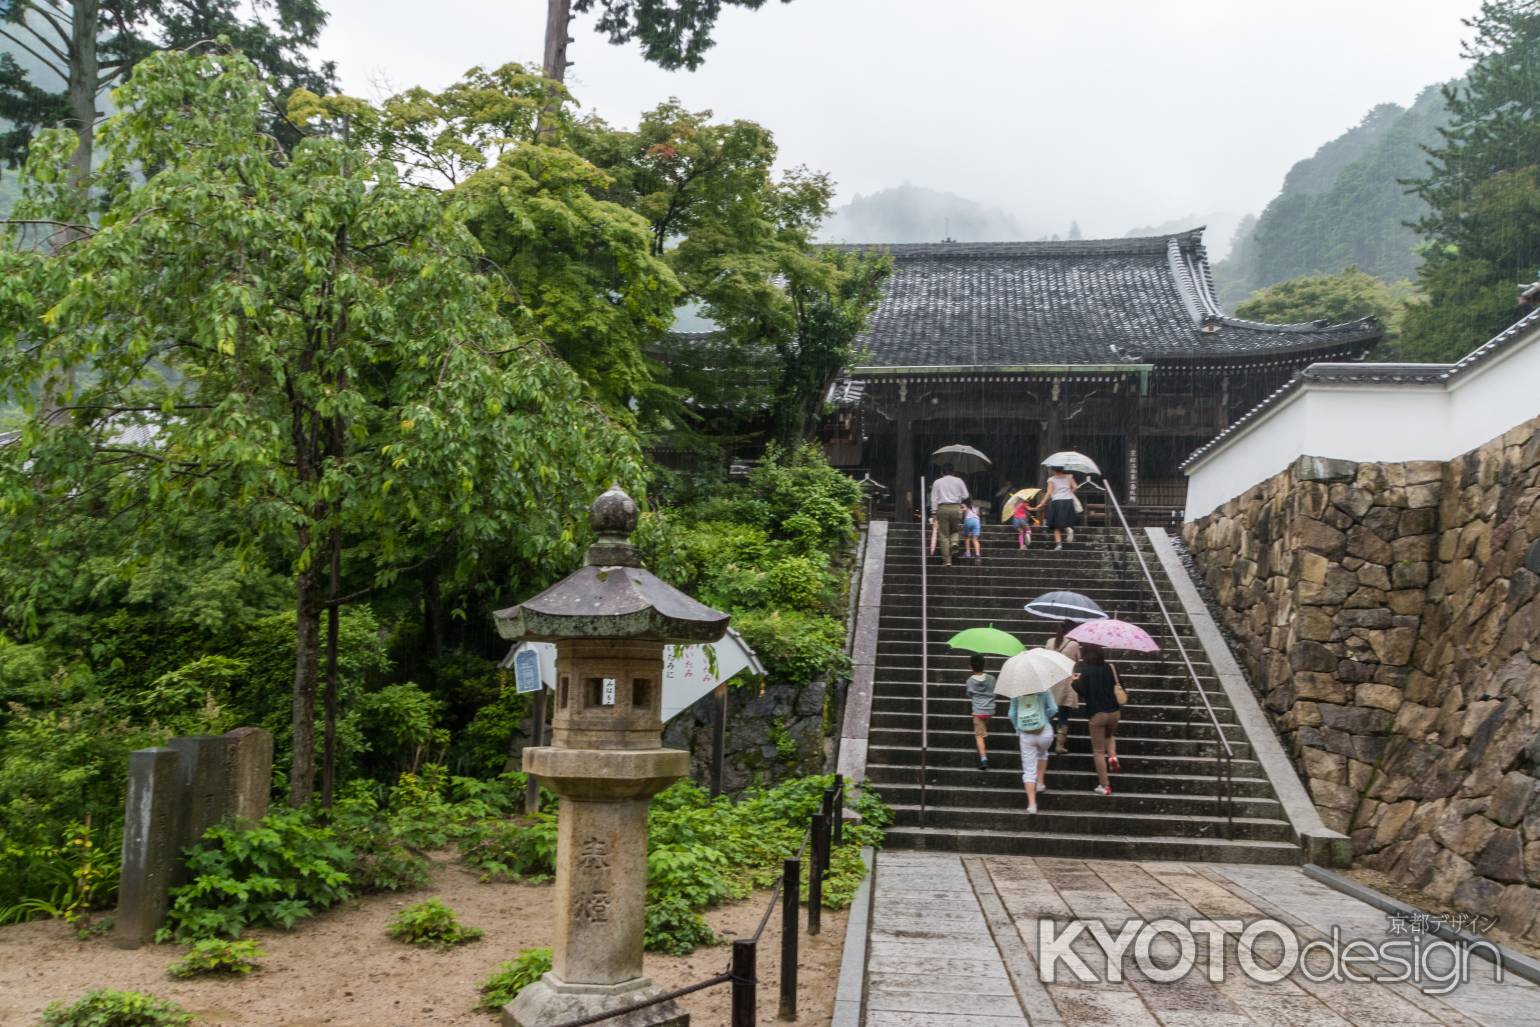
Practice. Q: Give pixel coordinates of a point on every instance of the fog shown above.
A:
(1114, 115)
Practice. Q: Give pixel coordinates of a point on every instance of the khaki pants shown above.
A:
(1104, 730)
(949, 526)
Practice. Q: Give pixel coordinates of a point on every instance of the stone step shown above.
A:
(1093, 846)
(1053, 818)
(965, 774)
(1132, 714)
(905, 696)
(1071, 792)
(1003, 739)
(1152, 766)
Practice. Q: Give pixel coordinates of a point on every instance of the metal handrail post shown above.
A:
(924, 657)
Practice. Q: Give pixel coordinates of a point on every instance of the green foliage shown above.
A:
(65, 883)
(218, 956)
(512, 850)
(673, 927)
(431, 924)
(401, 724)
(1482, 190)
(672, 35)
(106, 1008)
(511, 977)
(1345, 296)
(271, 875)
(794, 646)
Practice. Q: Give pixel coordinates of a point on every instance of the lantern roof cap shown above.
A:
(612, 595)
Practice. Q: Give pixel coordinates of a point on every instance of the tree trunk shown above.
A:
(333, 612)
(84, 83)
(558, 14)
(432, 613)
(307, 631)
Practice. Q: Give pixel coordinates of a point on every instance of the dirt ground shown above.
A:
(1421, 901)
(340, 969)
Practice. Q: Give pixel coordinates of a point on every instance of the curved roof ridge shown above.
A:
(1322, 325)
(1034, 248)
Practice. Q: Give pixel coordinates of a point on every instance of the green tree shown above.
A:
(1482, 229)
(304, 339)
(1346, 296)
(88, 45)
(673, 33)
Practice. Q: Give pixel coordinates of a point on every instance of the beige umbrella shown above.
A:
(1016, 499)
(1036, 670)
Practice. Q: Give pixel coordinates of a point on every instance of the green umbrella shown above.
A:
(986, 640)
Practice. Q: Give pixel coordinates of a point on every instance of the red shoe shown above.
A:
(1112, 764)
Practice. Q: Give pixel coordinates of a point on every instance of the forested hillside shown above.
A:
(1344, 206)
(911, 213)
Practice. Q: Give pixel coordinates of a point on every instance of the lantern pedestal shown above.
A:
(601, 884)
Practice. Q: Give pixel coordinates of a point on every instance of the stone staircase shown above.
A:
(1163, 804)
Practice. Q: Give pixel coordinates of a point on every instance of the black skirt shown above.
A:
(1061, 514)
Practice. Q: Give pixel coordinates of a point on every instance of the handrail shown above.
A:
(924, 656)
(1224, 774)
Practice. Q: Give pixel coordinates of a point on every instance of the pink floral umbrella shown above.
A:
(1114, 634)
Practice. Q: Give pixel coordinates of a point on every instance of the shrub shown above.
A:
(673, 927)
(401, 723)
(431, 924)
(512, 977)
(106, 1008)
(218, 956)
(795, 647)
(513, 850)
(272, 874)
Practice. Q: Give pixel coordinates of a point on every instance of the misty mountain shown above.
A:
(1221, 225)
(1343, 206)
(911, 213)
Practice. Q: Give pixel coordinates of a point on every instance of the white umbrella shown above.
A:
(1036, 670)
(1077, 463)
(965, 459)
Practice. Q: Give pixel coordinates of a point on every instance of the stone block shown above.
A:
(1306, 714)
(1392, 822)
(1519, 910)
(1532, 863)
(1352, 500)
(1333, 795)
(1413, 548)
(1373, 575)
(1320, 687)
(1502, 857)
(249, 773)
(1513, 798)
(1363, 543)
(1324, 766)
(1312, 567)
(1421, 521)
(1407, 602)
(1316, 468)
(1477, 895)
(202, 790)
(1357, 720)
(1423, 496)
(151, 837)
(1384, 521)
(1394, 645)
(1380, 697)
(1410, 574)
(1424, 472)
(1311, 656)
(1359, 775)
(1317, 537)
(1314, 624)
(1353, 671)
(1466, 836)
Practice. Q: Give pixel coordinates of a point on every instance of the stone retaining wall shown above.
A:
(1390, 625)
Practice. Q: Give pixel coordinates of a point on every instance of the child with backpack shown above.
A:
(1032, 716)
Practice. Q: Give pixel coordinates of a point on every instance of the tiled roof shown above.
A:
(1375, 374)
(1100, 301)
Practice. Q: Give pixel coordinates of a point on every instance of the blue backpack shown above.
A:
(1031, 714)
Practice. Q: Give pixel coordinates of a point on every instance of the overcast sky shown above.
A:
(1115, 113)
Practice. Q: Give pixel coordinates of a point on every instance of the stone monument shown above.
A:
(610, 621)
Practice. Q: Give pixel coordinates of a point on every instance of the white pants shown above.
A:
(1034, 747)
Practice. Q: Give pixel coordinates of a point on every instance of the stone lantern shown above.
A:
(610, 620)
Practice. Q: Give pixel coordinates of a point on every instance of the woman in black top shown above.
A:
(1095, 682)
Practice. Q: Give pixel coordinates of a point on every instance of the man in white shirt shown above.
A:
(947, 494)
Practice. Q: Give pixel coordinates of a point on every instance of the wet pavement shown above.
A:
(998, 941)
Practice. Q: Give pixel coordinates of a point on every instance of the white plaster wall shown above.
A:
(1374, 424)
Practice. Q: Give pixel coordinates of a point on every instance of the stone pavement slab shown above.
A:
(955, 940)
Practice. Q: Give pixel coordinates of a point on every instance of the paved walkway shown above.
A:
(955, 941)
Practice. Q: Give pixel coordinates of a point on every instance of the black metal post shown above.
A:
(820, 850)
(791, 900)
(744, 982)
(537, 738)
(718, 740)
(839, 810)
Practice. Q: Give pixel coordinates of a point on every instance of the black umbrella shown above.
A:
(1065, 606)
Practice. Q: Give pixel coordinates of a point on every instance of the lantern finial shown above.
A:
(613, 517)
